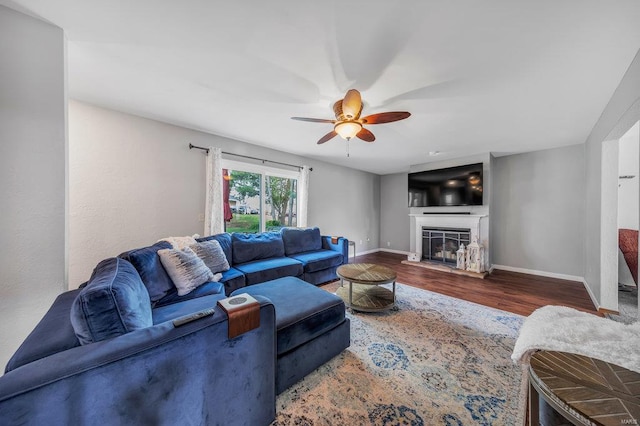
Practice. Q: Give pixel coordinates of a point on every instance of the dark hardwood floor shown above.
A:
(508, 291)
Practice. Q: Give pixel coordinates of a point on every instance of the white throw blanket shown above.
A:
(559, 328)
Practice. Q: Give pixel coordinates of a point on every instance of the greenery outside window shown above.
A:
(261, 198)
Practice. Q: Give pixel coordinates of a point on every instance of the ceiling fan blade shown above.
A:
(352, 104)
(328, 136)
(314, 120)
(385, 117)
(365, 135)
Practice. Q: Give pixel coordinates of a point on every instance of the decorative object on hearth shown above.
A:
(475, 257)
(461, 257)
(348, 122)
(413, 257)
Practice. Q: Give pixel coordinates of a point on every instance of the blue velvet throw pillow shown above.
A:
(148, 264)
(249, 247)
(114, 302)
(297, 240)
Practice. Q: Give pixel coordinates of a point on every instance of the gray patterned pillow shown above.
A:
(186, 269)
(212, 254)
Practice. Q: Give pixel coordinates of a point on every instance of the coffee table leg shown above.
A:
(350, 294)
(394, 293)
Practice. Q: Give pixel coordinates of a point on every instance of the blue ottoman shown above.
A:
(310, 325)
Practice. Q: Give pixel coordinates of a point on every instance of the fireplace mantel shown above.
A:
(477, 223)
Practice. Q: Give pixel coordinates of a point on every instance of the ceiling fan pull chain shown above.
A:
(348, 148)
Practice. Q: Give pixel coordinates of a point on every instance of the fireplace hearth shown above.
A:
(441, 244)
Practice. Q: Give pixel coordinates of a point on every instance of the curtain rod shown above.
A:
(191, 146)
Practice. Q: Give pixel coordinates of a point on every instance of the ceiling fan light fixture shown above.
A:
(352, 104)
(347, 129)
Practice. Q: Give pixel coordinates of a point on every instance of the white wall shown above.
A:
(133, 180)
(629, 189)
(32, 173)
(538, 211)
(617, 117)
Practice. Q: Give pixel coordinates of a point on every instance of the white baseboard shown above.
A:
(539, 273)
(551, 275)
(360, 253)
(388, 250)
(593, 298)
(382, 249)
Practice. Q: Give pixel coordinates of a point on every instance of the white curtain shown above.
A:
(303, 196)
(214, 212)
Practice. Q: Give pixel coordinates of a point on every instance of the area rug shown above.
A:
(432, 360)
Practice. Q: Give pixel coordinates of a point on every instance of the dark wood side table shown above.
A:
(583, 390)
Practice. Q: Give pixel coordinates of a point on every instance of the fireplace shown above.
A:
(441, 244)
(477, 223)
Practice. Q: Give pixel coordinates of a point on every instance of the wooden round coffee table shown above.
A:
(583, 390)
(364, 292)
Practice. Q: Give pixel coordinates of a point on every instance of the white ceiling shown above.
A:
(500, 76)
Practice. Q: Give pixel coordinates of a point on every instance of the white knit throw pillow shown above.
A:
(185, 268)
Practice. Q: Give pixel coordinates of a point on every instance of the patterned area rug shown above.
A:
(433, 360)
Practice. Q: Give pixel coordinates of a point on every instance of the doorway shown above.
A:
(620, 209)
(628, 224)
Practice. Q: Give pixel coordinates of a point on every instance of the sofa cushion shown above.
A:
(318, 260)
(298, 240)
(206, 289)
(269, 269)
(54, 333)
(225, 242)
(233, 279)
(186, 269)
(303, 311)
(212, 255)
(147, 263)
(249, 247)
(114, 302)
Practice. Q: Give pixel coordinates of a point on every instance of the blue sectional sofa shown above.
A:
(302, 253)
(110, 352)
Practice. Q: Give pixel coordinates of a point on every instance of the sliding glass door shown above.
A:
(260, 198)
(244, 201)
(280, 202)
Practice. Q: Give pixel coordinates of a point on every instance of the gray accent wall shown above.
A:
(134, 180)
(32, 173)
(394, 214)
(537, 211)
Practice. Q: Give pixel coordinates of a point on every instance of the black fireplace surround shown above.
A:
(441, 244)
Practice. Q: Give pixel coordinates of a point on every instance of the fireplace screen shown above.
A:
(441, 244)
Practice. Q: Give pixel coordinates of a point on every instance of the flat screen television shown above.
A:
(453, 186)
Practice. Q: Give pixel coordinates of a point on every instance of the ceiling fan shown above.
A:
(348, 122)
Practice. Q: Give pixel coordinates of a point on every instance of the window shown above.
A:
(260, 198)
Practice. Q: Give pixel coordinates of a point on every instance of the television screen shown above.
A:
(453, 186)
